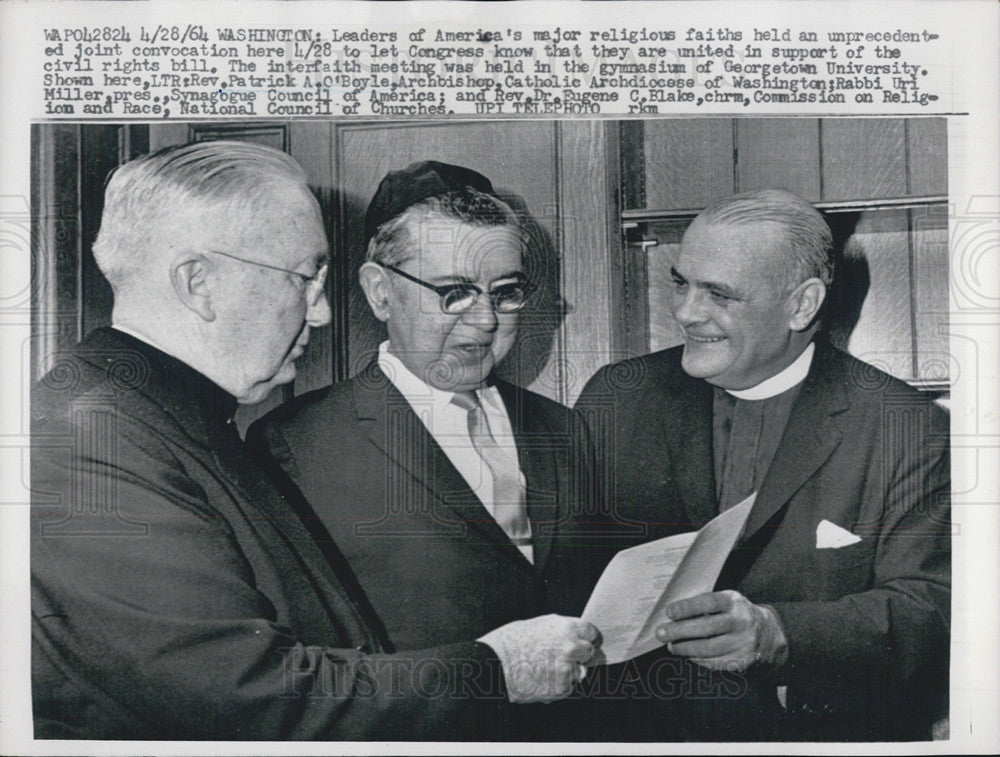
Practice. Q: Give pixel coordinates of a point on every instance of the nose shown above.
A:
(318, 313)
(687, 307)
(481, 314)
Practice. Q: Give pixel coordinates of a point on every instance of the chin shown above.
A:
(254, 396)
(697, 366)
(258, 392)
(473, 374)
(706, 360)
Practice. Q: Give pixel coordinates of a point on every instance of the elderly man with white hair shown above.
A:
(175, 592)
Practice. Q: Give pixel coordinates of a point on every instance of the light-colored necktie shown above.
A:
(508, 507)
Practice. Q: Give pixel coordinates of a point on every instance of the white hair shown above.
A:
(148, 198)
(809, 249)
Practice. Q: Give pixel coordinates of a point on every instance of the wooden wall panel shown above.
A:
(70, 166)
(663, 330)
(687, 162)
(883, 335)
(519, 157)
(863, 158)
(588, 243)
(165, 135)
(782, 153)
(99, 156)
(927, 156)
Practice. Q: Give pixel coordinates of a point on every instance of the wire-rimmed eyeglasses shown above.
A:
(458, 298)
(313, 285)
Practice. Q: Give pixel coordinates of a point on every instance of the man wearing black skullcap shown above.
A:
(459, 501)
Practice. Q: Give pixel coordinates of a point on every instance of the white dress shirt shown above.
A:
(448, 424)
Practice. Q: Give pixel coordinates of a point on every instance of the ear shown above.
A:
(189, 277)
(804, 303)
(378, 291)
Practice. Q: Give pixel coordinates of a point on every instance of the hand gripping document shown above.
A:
(629, 601)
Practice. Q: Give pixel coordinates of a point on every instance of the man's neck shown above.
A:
(177, 345)
(409, 384)
(141, 335)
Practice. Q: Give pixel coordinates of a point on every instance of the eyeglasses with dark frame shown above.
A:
(313, 284)
(459, 298)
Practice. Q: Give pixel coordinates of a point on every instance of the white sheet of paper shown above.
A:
(628, 601)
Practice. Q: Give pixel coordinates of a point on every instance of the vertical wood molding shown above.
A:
(912, 272)
(927, 156)
(55, 248)
(100, 153)
(590, 250)
(44, 275)
(339, 283)
(633, 338)
(613, 240)
(559, 366)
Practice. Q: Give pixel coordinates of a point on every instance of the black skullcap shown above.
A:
(400, 190)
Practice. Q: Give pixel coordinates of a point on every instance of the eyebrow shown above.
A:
(447, 279)
(724, 289)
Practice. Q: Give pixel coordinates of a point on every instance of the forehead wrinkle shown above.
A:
(288, 234)
(465, 250)
(753, 269)
(736, 287)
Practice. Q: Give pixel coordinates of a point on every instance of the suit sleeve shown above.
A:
(149, 621)
(897, 632)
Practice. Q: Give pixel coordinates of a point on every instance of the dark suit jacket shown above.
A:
(432, 561)
(434, 564)
(176, 595)
(867, 624)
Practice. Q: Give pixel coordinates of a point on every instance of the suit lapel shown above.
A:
(397, 432)
(811, 436)
(536, 458)
(689, 429)
(258, 492)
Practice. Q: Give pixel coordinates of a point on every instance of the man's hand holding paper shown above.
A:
(631, 598)
(723, 630)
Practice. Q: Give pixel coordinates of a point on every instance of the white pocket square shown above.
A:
(831, 536)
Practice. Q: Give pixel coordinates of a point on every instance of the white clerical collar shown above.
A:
(793, 375)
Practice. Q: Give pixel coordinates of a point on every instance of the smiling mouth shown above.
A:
(704, 339)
